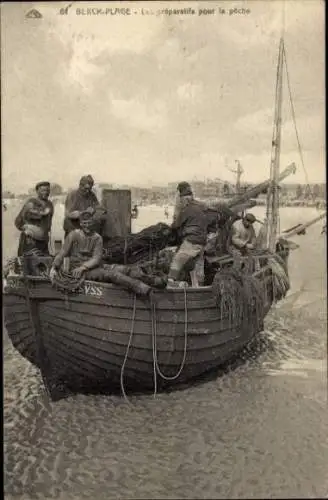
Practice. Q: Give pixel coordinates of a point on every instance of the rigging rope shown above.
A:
(128, 348)
(154, 332)
(294, 122)
(156, 368)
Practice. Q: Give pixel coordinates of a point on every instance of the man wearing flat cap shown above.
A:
(35, 218)
(190, 225)
(242, 238)
(184, 192)
(79, 200)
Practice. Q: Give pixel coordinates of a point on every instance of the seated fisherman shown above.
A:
(83, 246)
(190, 223)
(242, 238)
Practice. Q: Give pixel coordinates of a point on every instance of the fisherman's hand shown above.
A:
(77, 273)
(250, 246)
(75, 214)
(46, 211)
(90, 210)
(53, 273)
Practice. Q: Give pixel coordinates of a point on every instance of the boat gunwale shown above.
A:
(111, 286)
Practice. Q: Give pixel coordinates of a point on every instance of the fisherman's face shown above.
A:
(43, 192)
(86, 187)
(87, 226)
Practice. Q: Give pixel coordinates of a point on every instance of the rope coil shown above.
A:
(66, 282)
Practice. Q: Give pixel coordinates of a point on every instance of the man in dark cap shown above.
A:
(38, 212)
(183, 191)
(242, 238)
(80, 200)
(83, 247)
(191, 226)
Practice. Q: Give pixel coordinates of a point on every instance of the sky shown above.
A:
(149, 99)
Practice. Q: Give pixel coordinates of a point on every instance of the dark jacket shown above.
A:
(31, 213)
(191, 223)
(75, 200)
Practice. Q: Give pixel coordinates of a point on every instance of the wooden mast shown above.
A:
(239, 173)
(273, 193)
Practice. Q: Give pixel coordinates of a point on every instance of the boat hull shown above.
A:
(86, 338)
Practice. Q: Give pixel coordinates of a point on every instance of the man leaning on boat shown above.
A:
(242, 239)
(34, 221)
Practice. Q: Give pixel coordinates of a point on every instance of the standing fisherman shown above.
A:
(191, 225)
(35, 218)
(135, 212)
(79, 200)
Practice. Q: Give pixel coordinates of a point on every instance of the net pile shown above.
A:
(21, 265)
(131, 278)
(220, 217)
(140, 246)
(279, 270)
(280, 279)
(240, 298)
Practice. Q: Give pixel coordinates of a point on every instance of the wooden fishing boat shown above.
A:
(95, 336)
(106, 337)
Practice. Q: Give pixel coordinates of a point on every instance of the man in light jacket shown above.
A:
(242, 239)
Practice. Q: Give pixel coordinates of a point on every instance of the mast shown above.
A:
(239, 173)
(272, 213)
(263, 187)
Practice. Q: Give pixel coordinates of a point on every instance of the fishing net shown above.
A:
(131, 278)
(33, 262)
(280, 279)
(219, 217)
(277, 263)
(11, 267)
(144, 246)
(138, 247)
(240, 298)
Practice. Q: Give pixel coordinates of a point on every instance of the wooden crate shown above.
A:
(117, 202)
